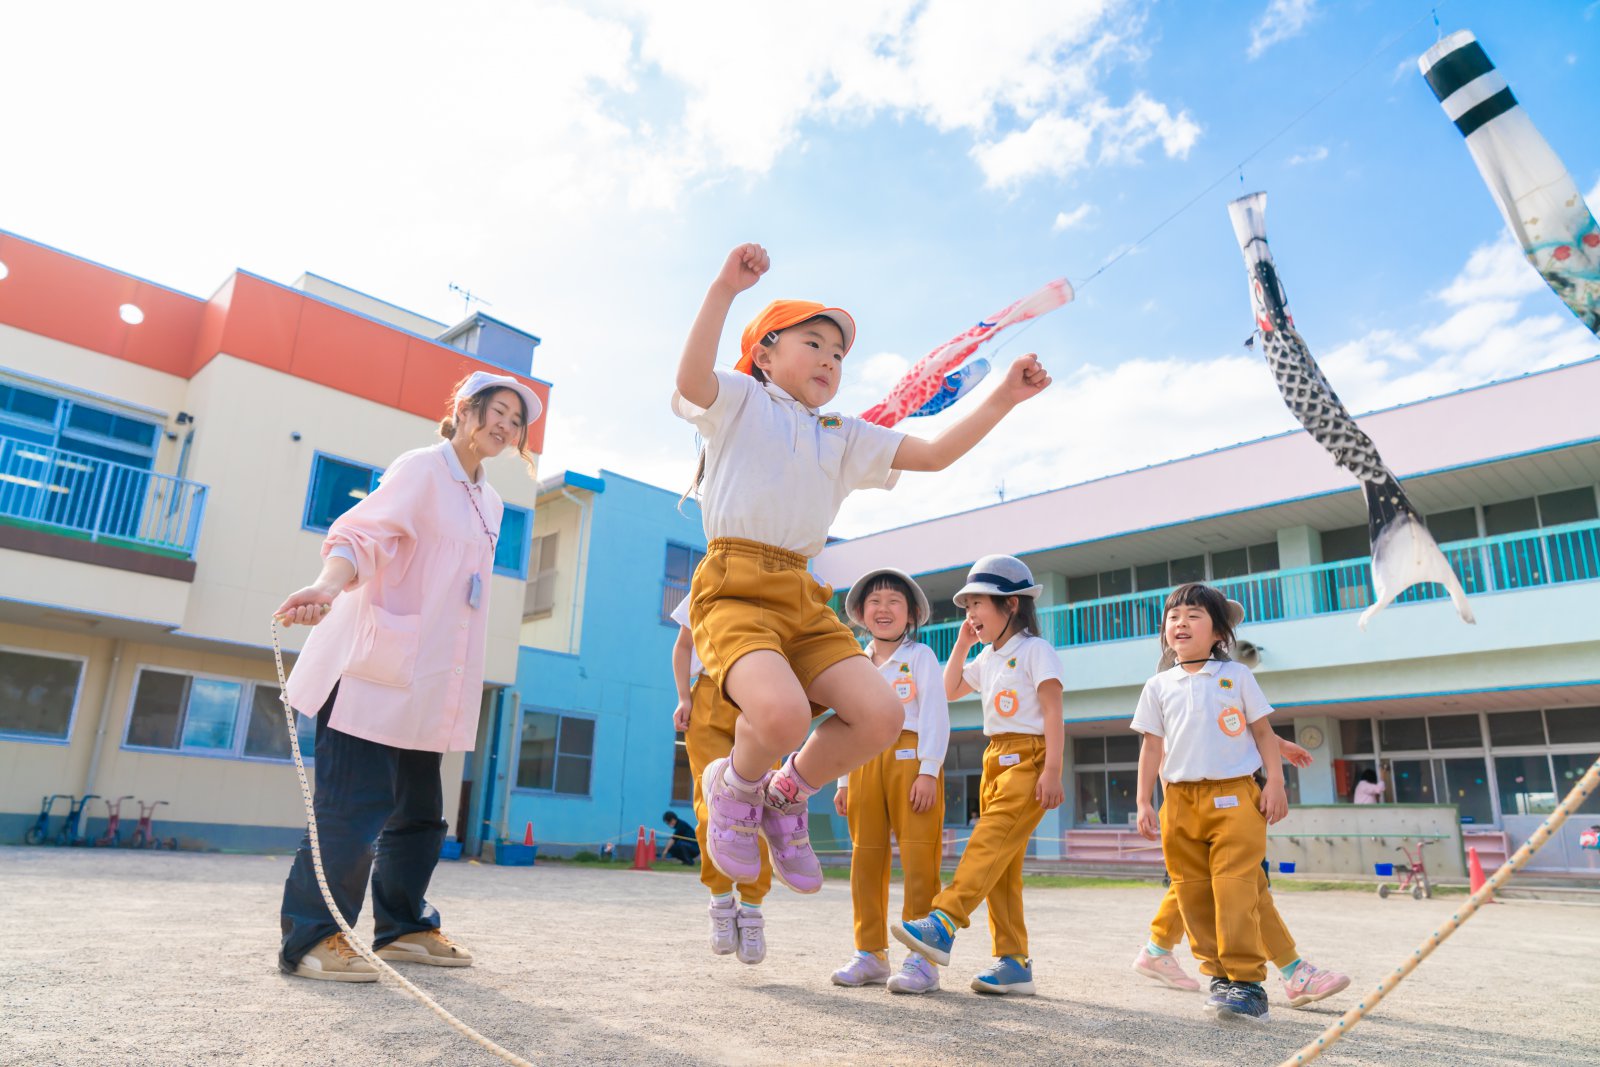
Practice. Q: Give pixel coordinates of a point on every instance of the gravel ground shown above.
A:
(160, 958)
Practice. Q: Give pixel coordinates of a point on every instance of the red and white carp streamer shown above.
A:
(924, 381)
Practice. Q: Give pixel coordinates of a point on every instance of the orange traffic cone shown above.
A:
(652, 846)
(527, 835)
(641, 861)
(1475, 872)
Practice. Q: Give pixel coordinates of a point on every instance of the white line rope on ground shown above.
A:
(1347, 1022)
(361, 947)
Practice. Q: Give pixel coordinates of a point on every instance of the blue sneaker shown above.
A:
(1246, 1002)
(1005, 975)
(926, 937)
(1217, 999)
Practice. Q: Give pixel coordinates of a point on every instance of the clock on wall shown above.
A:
(1311, 737)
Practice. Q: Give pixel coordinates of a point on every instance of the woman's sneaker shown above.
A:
(752, 935)
(864, 968)
(1005, 975)
(733, 818)
(1310, 984)
(724, 934)
(927, 937)
(916, 975)
(1164, 969)
(1246, 1002)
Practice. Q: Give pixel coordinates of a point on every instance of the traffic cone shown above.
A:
(641, 862)
(527, 835)
(652, 846)
(1475, 872)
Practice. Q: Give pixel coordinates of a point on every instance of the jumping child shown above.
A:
(901, 791)
(396, 669)
(774, 472)
(707, 721)
(1018, 677)
(1206, 733)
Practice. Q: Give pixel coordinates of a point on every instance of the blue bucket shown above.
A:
(1286, 868)
(1383, 870)
(509, 855)
(450, 850)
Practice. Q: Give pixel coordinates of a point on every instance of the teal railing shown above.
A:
(1549, 556)
(98, 500)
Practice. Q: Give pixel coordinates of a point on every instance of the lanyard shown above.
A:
(475, 587)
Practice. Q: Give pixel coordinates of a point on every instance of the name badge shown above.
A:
(905, 753)
(475, 592)
(1011, 759)
(1225, 802)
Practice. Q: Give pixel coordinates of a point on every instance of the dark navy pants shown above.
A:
(367, 794)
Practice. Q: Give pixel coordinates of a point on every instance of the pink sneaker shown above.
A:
(1310, 984)
(785, 825)
(1165, 969)
(733, 819)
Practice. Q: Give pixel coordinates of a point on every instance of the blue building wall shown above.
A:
(622, 676)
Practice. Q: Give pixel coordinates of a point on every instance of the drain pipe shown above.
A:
(577, 572)
(105, 714)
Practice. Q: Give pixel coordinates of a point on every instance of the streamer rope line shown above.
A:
(362, 948)
(1347, 1022)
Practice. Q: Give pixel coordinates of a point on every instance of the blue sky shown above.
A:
(586, 167)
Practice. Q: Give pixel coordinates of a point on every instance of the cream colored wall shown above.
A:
(200, 789)
(46, 580)
(558, 515)
(371, 306)
(253, 550)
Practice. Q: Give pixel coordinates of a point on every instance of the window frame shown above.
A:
(521, 571)
(555, 764)
(317, 455)
(241, 718)
(669, 587)
(62, 433)
(77, 697)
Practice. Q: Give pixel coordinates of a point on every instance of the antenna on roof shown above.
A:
(468, 298)
(1000, 490)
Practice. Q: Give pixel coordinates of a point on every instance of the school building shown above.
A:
(169, 465)
(1498, 718)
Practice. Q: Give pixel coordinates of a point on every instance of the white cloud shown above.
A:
(1066, 220)
(1310, 155)
(1281, 20)
(1058, 144)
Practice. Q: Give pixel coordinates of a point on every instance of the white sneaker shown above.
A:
(916, 975)
(724, 932)
(752, 935)
(864, 968)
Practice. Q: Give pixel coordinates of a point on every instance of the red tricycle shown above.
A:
(1415, 872)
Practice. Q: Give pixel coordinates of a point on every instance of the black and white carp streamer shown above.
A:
(1403, 551)
(1530, 185)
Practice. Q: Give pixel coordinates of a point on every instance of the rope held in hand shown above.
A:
(361, 947)
(1347, 1022)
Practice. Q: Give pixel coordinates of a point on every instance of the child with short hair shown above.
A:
(775, 470)
(901, 790)
(1018, 676)
(707, 721)
(1204, 721)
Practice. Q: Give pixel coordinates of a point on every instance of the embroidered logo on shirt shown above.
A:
(1006, 703)
(831, 422)
(1225, 683)
(905, 689)
(905, 668)
(1231, 721)
(1011, 664)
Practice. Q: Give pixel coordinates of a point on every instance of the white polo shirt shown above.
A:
(1007, 679)
(1204, 719)
(680, 615)
(915, 675)
(777, 471)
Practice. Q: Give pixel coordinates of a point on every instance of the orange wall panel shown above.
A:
(261, 325)
(348, 352)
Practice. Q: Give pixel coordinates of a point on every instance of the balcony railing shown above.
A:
(1553, 555)
(98, 500)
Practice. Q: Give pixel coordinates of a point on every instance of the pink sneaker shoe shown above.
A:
(1165, 969)
(785, 825)
(1310, 984)
(733, 819)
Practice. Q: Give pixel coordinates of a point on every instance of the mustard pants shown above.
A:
(709, 738)
(1166, 929)
(991, 867)
(879, 801)
(1214, 838)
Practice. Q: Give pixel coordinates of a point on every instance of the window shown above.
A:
(1573, 726)
(511, 549)
(1291, 773)
(1151, 576)
(1510, 728)
(679, 571)
(75, 426)
(1350, 542)
(556, 753)
(963, 777)
(1525, 785)
(1264, 557)
(682, 777)
(540, 598)
(1511, 516)
(1355, 736)
(1106, 775)
(38, 694)
(1572, 505)
(1456, 731)
(199, 715)
(1188, 569)
(1402, 735)
(1568, 769)
(1467, 787)
(1459, 525)
(336, 486)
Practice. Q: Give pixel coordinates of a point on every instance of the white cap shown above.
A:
(920, 609)
(480, 380)
(998, 576)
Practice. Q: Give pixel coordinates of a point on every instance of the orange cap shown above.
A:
(782, 314)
